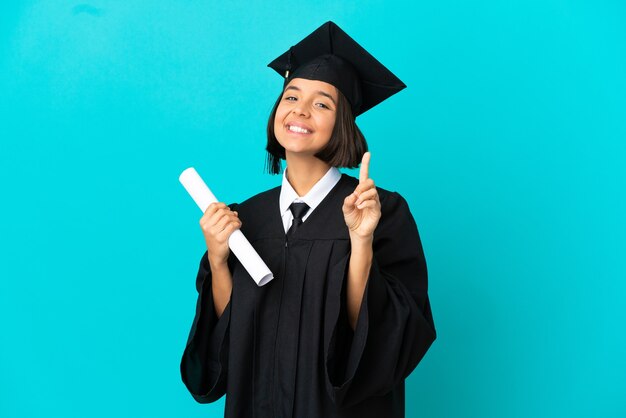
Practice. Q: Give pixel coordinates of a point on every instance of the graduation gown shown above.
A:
(286, 349)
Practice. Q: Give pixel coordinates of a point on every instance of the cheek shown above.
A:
(278, 127)
(281, 112)
(278, 121)
(330, 125)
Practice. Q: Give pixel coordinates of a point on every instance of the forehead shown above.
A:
(312, 86)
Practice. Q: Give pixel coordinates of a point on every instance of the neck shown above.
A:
(304, 172)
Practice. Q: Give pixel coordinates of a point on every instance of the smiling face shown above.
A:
(305, 116)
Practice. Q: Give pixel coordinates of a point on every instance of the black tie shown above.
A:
(298, 209)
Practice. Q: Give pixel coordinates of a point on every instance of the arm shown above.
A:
(204, 364)
(358, 273)
(222, 286)
(389, 325)
(218, 223)
(362, 212)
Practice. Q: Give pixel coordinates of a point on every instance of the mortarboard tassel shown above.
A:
(288, 62)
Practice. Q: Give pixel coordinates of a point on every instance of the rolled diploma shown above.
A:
(237, 242)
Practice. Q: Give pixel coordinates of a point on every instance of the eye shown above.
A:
(322, 105)
(290, 98)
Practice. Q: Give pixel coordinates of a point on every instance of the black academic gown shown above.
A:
(286, 349)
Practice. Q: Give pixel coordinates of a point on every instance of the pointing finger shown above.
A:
(364, 172)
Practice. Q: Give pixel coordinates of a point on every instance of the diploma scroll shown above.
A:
(237, 242)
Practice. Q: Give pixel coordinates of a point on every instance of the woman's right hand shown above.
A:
(217, 223)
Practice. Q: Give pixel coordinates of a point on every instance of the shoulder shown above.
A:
(396, 218)
(395, 212)
(260, 214)
(260, 201)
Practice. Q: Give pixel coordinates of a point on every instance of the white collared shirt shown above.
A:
(313, 198)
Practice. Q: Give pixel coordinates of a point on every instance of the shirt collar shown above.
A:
(314, 197)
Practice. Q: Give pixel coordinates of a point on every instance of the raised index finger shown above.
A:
(364, 172)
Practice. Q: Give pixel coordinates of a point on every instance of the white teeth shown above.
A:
(298, 129)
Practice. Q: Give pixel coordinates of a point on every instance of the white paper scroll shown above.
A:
(237, 242)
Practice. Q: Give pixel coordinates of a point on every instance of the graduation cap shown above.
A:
(328, 54)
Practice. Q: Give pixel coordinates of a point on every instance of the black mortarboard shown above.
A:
(329, 54)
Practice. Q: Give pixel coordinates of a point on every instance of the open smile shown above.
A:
(298, 128)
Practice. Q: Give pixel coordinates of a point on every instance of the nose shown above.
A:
(301, 110)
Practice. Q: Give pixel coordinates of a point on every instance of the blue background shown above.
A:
(508, 145)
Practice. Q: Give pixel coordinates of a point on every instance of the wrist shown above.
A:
(362, 249)
(361, 242)
(218, 266)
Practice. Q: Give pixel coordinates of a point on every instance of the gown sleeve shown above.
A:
(204, 364)
(394, 328)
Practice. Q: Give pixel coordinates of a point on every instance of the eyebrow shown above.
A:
(320, 92)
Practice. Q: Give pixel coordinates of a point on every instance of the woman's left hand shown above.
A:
(361, 209)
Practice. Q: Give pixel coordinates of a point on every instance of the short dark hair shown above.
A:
(344, 149)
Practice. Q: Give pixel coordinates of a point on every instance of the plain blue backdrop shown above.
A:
(509, 145)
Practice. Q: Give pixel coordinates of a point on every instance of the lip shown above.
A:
(299, 125)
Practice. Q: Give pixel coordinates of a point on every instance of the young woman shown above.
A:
(347, 316)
